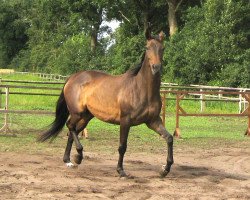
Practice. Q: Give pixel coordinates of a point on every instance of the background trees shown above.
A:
(212, 48)
(207, 40)
(13, 28)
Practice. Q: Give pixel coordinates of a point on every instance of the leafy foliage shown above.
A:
(65, 36)
(125, 52)
(12, 31)
(210, 49)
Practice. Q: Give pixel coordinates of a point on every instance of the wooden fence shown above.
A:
(5, 89)
(45, 76)
(178, 93)
(242, 102)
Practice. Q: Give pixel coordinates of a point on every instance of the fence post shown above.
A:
(244, 101)
(240, 102)
(177, 126)
(5, 127)
(220, 95)
(248, 128)
(203, 104)
(164, 109)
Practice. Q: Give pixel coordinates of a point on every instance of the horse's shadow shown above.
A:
(214, 175)
(180, 171)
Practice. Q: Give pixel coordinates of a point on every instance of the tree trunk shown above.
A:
(145, 7)
(145, 20)
(172, 7)
(93, 43)
(97, 21)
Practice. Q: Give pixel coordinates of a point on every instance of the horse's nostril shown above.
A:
(157, 66)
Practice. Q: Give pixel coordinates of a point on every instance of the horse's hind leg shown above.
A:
(66, 157)
(81, 123)
(72, 136)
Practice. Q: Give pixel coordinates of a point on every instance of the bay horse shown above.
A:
(127, 100)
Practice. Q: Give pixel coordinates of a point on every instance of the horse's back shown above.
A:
(84, 77)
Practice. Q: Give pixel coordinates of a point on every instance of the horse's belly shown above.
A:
(105, 113)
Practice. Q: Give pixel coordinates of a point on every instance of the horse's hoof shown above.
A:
(122, 173)
(78, 159)
(164, 172)
(70, 165)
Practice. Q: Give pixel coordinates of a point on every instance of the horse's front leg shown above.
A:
(124, 130)
(158, 127)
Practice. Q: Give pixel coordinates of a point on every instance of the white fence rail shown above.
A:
(170, 86)
(205, 97)
(45, 76)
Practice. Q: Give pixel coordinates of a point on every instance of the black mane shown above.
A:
(134, 71)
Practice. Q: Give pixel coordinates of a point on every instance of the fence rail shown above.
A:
(203, 98)
(202, 94)
(210, 97)
(31, 82)
(181, 112)
(46, 76)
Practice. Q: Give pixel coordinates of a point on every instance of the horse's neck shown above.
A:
(149, 81)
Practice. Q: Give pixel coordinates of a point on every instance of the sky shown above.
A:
(114, 24)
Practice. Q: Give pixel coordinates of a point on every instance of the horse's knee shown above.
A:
(122, 149)
(170, 139)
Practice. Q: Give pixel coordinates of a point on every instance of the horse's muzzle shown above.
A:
(155, 68)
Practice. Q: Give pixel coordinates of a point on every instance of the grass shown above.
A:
(198, 132)
(31, 102)
(202, 133)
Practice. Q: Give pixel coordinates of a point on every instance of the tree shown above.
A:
(210, 45)
(89, 17)
(12, 30)
(175, 6)
(129, 37)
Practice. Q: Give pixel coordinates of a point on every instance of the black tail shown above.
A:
(61, 117)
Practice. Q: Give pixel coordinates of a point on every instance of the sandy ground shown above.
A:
(196, 174)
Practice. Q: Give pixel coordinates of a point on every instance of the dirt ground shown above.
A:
(196, 174)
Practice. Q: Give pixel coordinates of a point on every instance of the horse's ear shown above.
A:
(148, 33)
(161, 36)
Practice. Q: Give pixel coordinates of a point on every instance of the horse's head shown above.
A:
(154, 50)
